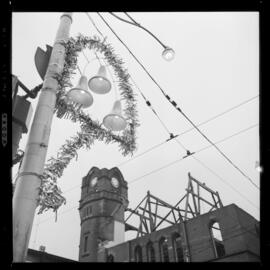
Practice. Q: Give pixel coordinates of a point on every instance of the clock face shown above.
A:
(94, 181)
(115, 182)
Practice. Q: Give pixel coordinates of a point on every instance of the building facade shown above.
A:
(226, 234)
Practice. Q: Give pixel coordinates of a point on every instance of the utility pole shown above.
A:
(26, 193)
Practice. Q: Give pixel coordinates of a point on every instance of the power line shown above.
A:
(229, 137)
(220, 114)
(171, 163)
(156, 146)
(178, 109)
(199, 161)
(222, 179)
(188, 153)
(143, 96)
(156, 170)
(221, 152)
(200, 124)
(200, 150)
(93, 23)
(174, 162)
(149, 104)
(144, 152)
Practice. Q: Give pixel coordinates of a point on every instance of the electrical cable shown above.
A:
(177, 108)
(194, 127)
(89, 17)
(188, 130)
(146, 100)
(134, 23)
(220, 114)
(223, 180)
(149, 104)
(200, 150)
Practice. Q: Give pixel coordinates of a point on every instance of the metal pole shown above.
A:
(16, 137)
(28, 181)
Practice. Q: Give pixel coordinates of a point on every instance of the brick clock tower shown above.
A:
(102, 207)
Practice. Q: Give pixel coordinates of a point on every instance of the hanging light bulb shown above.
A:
(115, 121)
(168, 53)
(258, 167)
(80, 94)
(99, 83)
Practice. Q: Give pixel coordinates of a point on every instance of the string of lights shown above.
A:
(178, 109)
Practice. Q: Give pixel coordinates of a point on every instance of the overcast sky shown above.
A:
(215, 68)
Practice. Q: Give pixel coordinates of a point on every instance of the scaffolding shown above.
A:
(191, 205)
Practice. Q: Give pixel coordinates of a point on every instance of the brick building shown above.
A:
(223, 234)
(194, 240)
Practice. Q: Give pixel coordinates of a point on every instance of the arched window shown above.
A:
(138, 254)
(177, 247)
(85, 247)
(110, 258)
(164, 251)
(217, 240)
(150, 251)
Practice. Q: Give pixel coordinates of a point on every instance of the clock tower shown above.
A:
(102, 207)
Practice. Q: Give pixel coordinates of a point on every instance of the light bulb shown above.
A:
(168, 54)
(258, 167)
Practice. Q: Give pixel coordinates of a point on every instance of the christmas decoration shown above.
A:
(91, 130)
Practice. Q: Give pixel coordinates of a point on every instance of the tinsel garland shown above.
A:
(50, 194)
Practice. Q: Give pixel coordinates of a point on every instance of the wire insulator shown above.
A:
(174, 103)
(168, 97)
(148, 103)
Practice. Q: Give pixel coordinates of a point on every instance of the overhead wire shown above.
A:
(188, 130)
(143, 96)
(223, 180)
(177, 108)
(173, 161)
(220, 114)
(188, 152)
(178, 160)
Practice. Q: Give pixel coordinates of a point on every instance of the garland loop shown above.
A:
(50, 194)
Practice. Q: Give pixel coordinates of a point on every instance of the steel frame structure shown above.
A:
(189, 206)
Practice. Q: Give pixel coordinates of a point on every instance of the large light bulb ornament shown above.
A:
(80, 95)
